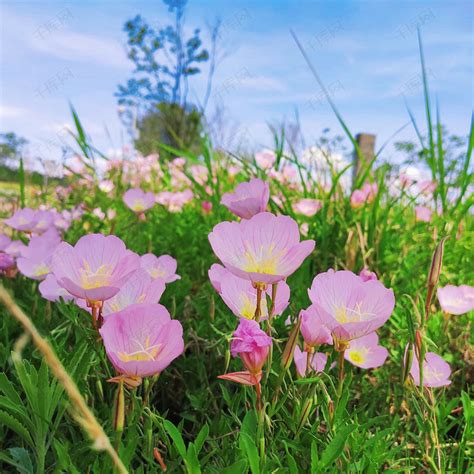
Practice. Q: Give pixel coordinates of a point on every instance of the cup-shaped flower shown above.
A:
(163, 267)
(456, 299)
(436, 370)
(313, 331)
(307, 207)
(264, 249)
(265, 159)
(139, 288)
(241, 297)
(423, 214)
(95, 268)
(36, 259)
(142, 340)
(23, 219)
(349, 306)
(251, 344)
(44, 221)
(50, 289)
(317, 361)
(365, 195)
(139, 201)
(367, 275)
(365, 352)
(248, 199)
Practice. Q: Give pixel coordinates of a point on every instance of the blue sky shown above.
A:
(366, 53)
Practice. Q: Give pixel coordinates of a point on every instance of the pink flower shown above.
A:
(265, 159)
(241, 297)
(423, 214)
(251, 344)
(139, 288)
(318, 361)
(436, 370)
(163, 267)
(456, 299)
(307, 207)
(7, 262)
(50, 290)
(44, 221)
(427, 186)
(366, 353)
(248, 199)
(367, 275)
(139, 201)
(98, 212)
(206, 207)
(264, 249)
(106, 186)
(23, 219)
(314, 333)
(15, 249)
(95, 268)
(5, 241)
(216, 273)
(365, 195)
(349, 306)
(199, 173)
(142, 340)
(36, 259)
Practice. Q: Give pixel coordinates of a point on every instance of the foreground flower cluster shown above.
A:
(258, 253)
(118, 287)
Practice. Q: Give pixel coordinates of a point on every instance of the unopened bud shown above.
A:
(287, 356)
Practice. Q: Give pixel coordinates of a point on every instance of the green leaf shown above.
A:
(334, 449)
(176, 437)
(247, 445)
(238, 467)
(314, 458)
(201, 438)
(22, 457)
(192, 461)
(13, 423)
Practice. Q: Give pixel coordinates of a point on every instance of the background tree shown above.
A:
(154, 102)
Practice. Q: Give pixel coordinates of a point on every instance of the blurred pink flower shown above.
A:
(22, 219)
(318, 361)
(206, 207)
(50, 290)
(44, 221)
(142, 340)
(251, 344)
(264, 249)
(307, 207)
(456, 299)
(314, 333)
(139, 288)
(349, 306)
(365, 352)
(106, 186)
(139, 201)
(199, 173)
(304, 229)
(265, 159)
(36, 259)
(163, 267)
(248, 199)
(365, 195)
(98, 212)
(95, 268)
(423, 214)
(15, 249)
(241, 297)
(427, 186)
(367, 275)
(7, 262)
(436, 370)
(5, 241)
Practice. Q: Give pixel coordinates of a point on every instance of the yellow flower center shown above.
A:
(358, 356)
(42, 270)
(139, 205)
(265, 260)
(145, 353)
(248, 306)
(351, 315)
(156, 272)
(95, 279)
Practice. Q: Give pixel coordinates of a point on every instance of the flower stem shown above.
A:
(341, 373)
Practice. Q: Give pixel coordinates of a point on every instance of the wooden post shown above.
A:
(366, 143)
